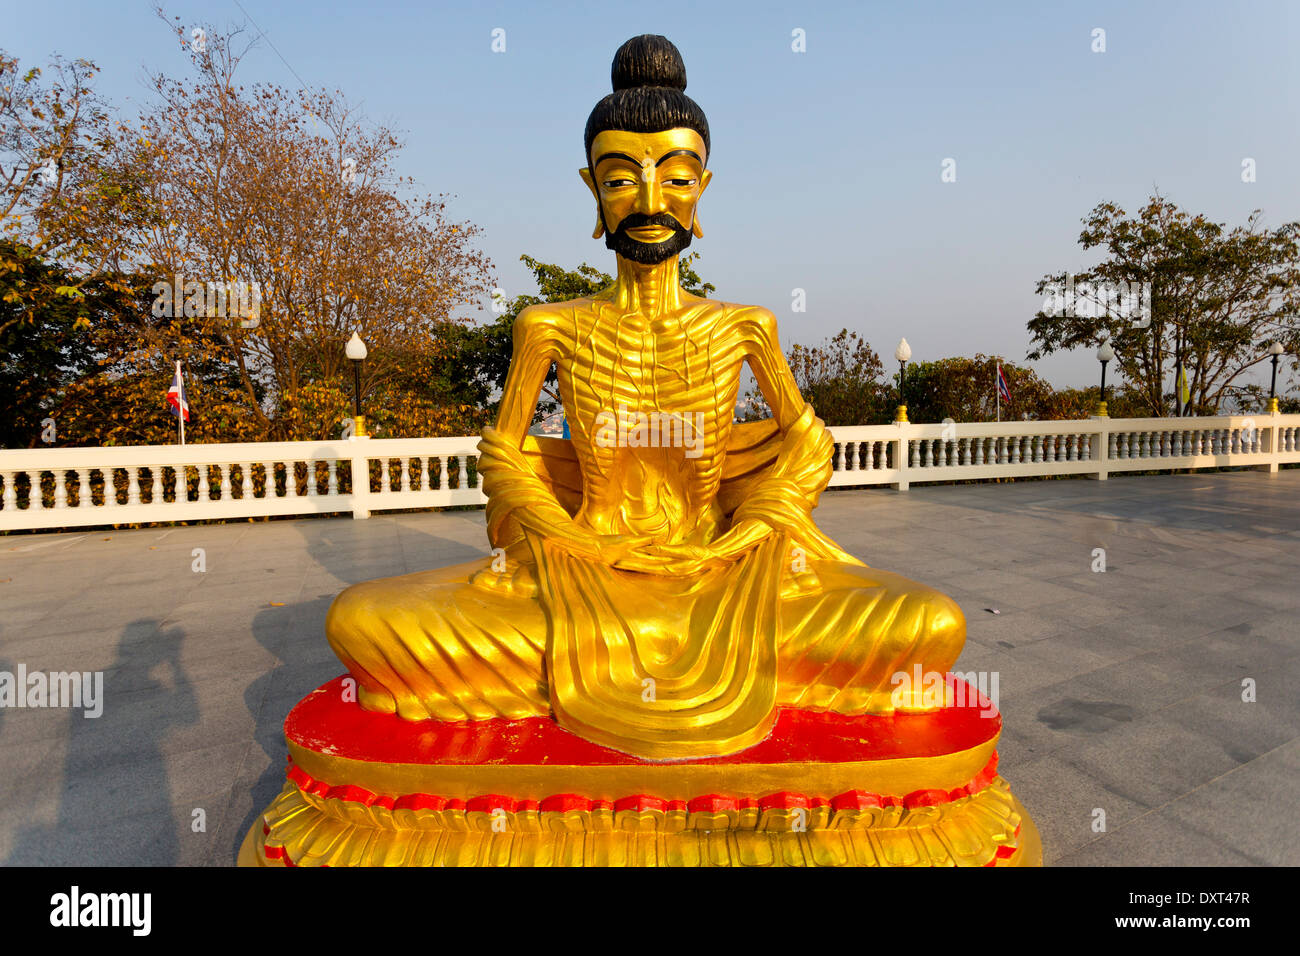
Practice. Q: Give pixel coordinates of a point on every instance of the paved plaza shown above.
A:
(1122, 692)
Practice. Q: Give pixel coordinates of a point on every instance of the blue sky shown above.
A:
(826, 163)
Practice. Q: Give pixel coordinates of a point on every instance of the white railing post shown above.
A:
(358, 445)
(900, 455)
(1101, 448)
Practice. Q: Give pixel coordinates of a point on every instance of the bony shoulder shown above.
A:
(754, 319)
(538, 317)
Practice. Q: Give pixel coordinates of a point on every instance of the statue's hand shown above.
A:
(604, 548)
(693, 558)
(740, 538)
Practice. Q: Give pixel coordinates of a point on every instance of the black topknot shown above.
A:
(649, 79)
(648, 60)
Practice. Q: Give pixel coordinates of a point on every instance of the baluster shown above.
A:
(225, 482)
(1111, 446)
(925, 453)
(1085, 452)
(839, 457)
(60, 491)
(385, 479)
(133, 486)
(405, 465)
(83, 489)
(463, 477)
(245, 480)
(10, 499)
(915, 461)
(205, 484)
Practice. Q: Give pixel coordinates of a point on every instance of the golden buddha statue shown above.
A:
(658, 585)
(663, 662)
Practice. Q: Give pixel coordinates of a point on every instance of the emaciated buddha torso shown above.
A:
(661, 597)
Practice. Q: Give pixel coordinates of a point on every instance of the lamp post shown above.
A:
(1104, 354)
(1275, 352)
(356, 352)
(902, 353)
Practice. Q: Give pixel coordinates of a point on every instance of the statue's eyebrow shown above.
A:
(604, 156)
(662, 159)
(680, 152)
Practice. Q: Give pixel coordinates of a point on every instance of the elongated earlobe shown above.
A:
(696, 231)
(600, 225)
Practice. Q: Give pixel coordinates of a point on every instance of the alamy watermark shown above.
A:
(628, 429)
(1096, 300)
(231, 299)
(931, 690)
(78, 690)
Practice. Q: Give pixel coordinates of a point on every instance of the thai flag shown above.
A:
(1003, 389)
(176, 396)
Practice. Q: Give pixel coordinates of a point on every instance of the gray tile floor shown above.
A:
(1121, 691)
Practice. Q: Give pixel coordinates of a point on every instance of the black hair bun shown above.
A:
(648, 60)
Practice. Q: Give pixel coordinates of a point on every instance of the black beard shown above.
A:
(648, 253)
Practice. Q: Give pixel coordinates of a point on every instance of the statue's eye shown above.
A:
(616, 183)
(681, 182)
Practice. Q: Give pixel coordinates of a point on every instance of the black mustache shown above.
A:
(637, 219)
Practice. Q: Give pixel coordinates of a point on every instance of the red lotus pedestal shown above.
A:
(368, 789)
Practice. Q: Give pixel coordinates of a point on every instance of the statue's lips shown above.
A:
(650, 233)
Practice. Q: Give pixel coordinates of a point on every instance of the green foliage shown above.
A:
(1219, 298)
(841, 379)
(964, 389)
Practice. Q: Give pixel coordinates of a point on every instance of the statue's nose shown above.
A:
(650, 198)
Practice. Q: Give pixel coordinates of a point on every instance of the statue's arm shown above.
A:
(771, 370)
(509, 481)
(512, 487)
(535, 347)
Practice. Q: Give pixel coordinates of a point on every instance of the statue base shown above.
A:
(367, 789)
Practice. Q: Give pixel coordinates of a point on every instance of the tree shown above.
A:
(964, 389)
(62, 206)
(288, 196)
(841, 379)
(1218, 299)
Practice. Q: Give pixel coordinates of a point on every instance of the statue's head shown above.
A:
(647, 146)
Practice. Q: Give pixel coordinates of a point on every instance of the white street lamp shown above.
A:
(1104, 354)
(902, 353)
(1275, 352)
(356, 352)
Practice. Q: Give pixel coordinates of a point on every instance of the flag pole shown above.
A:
(997, 388)
(180, 409)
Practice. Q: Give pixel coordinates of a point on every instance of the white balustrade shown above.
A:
(435, 472)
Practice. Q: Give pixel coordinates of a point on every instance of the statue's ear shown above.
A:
(590, 180)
